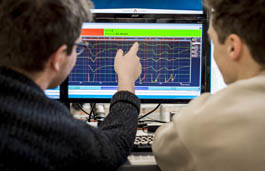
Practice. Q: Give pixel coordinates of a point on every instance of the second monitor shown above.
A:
(170, 54)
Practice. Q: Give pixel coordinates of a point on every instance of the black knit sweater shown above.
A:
(37, 133)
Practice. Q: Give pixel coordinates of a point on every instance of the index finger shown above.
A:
(134, 49)
(119, 53)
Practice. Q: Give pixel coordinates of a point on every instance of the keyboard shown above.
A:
(143, 142)
(142, 158)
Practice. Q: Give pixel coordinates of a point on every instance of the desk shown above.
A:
(140, 161)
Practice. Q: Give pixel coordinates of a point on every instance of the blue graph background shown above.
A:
(166, 63)
(150, 4)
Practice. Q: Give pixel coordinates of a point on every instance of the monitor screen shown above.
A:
(53, 93)
(170, 54)
(148, 6)
(217, 81)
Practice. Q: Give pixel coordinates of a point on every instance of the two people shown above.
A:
(214, 132)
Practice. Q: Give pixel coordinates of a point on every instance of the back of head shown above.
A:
(32, 30)
(242, 17)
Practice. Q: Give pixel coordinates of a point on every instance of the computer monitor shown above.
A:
(53, 93)
(149, 7)
(170, 54)
(217, 81)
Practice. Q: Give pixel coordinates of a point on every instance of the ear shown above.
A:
(234, 46)
(57, 58)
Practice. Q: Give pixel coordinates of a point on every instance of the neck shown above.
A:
(249, 68)
(38, 77)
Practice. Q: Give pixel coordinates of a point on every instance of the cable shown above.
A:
(92, 112)
(149, 112)
(89, 114)
(81, 108)
(153, 120)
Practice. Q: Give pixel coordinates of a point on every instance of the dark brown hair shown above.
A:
(32, 30)
(242, 17)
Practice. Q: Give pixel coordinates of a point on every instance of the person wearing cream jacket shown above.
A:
(224, 131)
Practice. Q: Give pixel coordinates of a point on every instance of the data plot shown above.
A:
(163, 61)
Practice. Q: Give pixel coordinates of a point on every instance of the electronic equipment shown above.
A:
(173, 52)
(143, 143)
(170, 53)
(53, 93)
(155, 7)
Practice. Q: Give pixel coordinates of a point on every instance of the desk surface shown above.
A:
(140, 161)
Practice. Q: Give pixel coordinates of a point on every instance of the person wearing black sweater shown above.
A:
(38, 41)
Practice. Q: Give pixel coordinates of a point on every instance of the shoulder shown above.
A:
(231, 109)
(228, 99)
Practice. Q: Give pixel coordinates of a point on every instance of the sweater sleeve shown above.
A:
(108, 146)
(40, 134)
(120, 125)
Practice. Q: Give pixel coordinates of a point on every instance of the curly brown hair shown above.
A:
(242, 17)
(32, 30)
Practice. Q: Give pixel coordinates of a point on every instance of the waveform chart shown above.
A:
(164, 61)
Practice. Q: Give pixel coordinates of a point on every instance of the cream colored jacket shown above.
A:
(221, 132)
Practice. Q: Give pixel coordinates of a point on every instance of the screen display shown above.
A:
(217, 81)
(170, 54)
(53, 93)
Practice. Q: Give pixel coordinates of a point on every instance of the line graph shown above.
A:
(164, 61)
